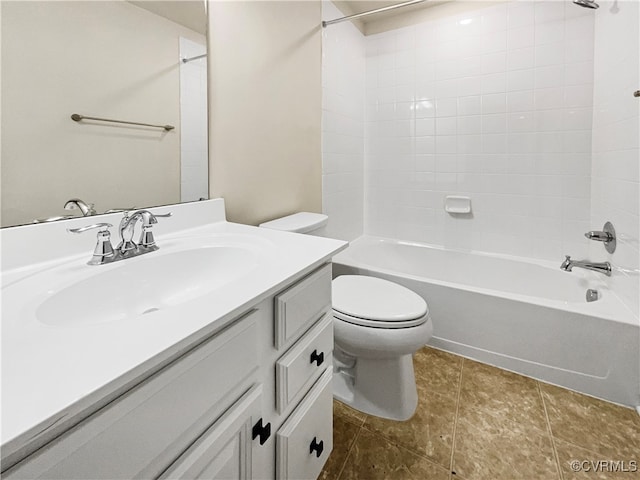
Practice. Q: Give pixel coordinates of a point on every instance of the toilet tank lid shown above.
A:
(301, 222)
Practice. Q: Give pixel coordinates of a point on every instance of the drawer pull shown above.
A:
(317, 357)
(317, 447)
(264, 432)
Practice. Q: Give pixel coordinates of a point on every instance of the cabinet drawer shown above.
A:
(297, 369)
(139, 434)
(302, 304)
(305, 441)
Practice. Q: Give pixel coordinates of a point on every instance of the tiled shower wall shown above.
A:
(616, 149)
(495, 104)
(343, 79)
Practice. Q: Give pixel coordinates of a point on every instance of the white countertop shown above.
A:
(53, 372)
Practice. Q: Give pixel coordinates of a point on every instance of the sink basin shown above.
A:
(145, 284)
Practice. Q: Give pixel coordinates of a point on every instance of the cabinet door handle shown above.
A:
(262, 431)
(316, 446)
(317, 357)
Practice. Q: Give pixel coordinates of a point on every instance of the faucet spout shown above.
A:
(568, 264)
(127, 227)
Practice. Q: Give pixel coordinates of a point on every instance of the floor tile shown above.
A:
(501, 430)
(580, 464)
(429, 432)
(344, 434)
(504, 395)
(610, 430)
(502, 451)
(374, 459)
(437, 370)
(342, 410)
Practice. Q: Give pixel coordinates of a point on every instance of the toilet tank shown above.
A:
(302, 222)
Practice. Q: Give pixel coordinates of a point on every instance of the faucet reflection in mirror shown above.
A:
(76, 203)
(127, 248)
(73, 204)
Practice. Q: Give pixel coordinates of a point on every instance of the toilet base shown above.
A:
(382, 387)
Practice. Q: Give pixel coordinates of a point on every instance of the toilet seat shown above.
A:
(376, 303)
(365, 322)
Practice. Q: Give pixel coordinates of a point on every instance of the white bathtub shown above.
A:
(525, 316)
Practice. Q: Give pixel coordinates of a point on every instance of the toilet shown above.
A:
(378, 325)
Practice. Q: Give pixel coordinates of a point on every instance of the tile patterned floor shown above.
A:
(476, 422)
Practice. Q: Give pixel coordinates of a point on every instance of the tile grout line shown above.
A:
(550, 432)
(455, 418)
(353, 443)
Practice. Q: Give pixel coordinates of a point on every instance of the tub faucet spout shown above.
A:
(568, 264)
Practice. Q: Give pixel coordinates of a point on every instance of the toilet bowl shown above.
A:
(378, 325)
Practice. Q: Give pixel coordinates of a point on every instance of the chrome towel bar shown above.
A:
(77, 117)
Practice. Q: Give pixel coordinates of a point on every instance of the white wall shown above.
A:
(495, 104)
(265, 99)
(343, 78)
(616, 149)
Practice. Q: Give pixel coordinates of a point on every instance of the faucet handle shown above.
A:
(598, 236)
(101, 226)
(146, 237)
(607, 236)
(103, 252)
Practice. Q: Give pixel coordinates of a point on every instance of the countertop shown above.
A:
(51, 373)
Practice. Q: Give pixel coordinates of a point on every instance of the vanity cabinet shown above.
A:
(225, 449)
(253, 400)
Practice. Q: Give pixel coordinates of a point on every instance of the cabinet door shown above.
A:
(224, 450)
(140, 433)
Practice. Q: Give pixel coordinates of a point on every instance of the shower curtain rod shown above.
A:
(370, 12)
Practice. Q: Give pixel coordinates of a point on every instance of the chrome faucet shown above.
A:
(76, 203)
(104, 252)
(127, 226)
(568, 264)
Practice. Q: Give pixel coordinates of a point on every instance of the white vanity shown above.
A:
(209, 358)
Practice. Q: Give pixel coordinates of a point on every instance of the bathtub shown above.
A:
(525, 316)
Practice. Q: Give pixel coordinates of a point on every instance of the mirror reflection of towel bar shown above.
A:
(76, 118)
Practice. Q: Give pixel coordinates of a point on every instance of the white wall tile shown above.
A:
(343, 128)
(520, 59)
(521, 37)
(520, 80)
(511, 128)
(520, 14)
(615, 172)
(520, 101)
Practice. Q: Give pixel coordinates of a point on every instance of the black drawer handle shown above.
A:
(264, 432)
(317, 357)
(317, 447)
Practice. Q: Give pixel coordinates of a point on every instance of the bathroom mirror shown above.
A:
(115, 60)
